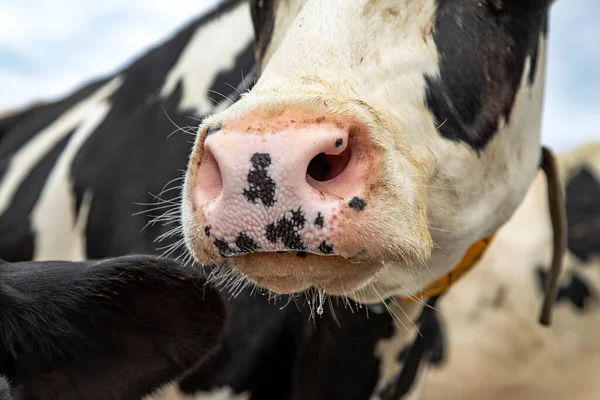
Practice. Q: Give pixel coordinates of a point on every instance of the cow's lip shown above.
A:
(286, 273)
(358, 258)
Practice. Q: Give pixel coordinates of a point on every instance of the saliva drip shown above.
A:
(321, 302)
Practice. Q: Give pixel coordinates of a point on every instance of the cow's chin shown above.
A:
(286, 273)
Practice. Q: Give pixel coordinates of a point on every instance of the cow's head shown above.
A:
(382, 138)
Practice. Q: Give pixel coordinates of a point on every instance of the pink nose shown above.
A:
(279, 186)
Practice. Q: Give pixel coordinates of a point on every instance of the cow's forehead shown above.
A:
(473, 65)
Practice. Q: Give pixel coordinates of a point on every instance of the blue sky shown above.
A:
(49, 47)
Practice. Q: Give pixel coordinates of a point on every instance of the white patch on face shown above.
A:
(58, 233)
(172, 392)
(472, 197)
(28, 156)
(211, 50)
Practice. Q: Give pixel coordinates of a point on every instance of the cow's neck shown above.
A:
(405, 356)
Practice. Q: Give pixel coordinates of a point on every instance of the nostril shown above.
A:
(325, 167)
(210, 182)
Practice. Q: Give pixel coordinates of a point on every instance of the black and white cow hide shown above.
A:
(80, 178)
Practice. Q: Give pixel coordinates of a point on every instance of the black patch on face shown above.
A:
(319, 220)
(213, 129)
(263, 19)
(339, 142)
(582, 203)
(325, 248)
(301, 254)
(482, 52)
(577, 291)
(283, 230)
(357, 203)
(246, 244)
(207, 230)
(224, 248)
(261, 186)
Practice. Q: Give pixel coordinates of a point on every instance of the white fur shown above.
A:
(172, 392)
(58, 232)
(211, 50)
(387, 350)
(28, 156)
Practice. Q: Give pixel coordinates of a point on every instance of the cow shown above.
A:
(381, 141)
(421, 138)
(97, 329)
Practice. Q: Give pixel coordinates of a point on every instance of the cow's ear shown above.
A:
(112, 329)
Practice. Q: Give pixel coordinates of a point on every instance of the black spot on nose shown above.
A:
(246, 244)
(319, 220)
(260, 184)
(339, 142)
(224, 248)
(325, 248)
(207, 230)
(285, 230)
(357, 203)
(213, 129)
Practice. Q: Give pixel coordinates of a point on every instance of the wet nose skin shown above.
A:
(281, 187)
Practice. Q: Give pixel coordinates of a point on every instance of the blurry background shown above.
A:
(49, 47)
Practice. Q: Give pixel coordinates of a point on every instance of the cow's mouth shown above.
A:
(294, 272)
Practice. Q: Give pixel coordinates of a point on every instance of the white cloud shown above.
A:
(49, 47)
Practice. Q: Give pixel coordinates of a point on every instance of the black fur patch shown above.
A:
(263, 18)
(325, 248)
(319, 220)
(482, 52)
(422, 350)
(222, 82)
(63, 323)
(582, 202)
(357, 203)
(285, 230)
(224, 248)
(246, 244)
(261, 186)
(577, 291)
